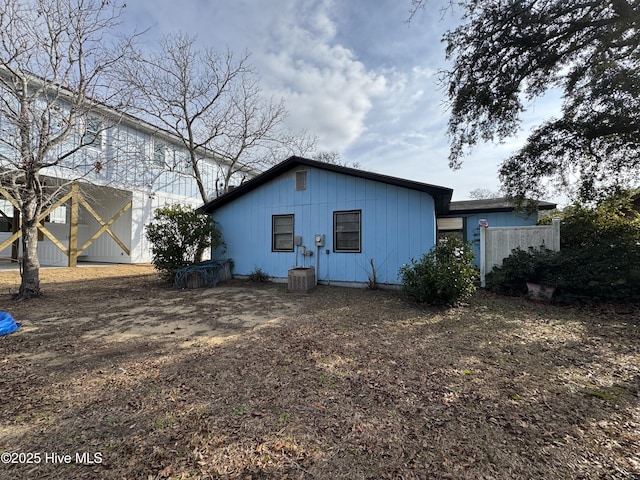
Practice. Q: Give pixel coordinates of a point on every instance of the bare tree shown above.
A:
(211, 101)
(54, 59)
(483, 194)
(333, 158)
(255, 138)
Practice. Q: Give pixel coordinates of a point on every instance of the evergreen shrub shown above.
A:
(599, 258)
(179, 236)
(444, 276)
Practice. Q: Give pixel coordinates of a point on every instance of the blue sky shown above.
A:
(353, 73)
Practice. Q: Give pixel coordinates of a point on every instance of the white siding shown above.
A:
(126, 173)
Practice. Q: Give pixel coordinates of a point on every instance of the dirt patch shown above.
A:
(124, 302)
(131, 379)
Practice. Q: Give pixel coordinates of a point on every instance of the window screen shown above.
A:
(347, 231)
(452, 227)
(282, 239)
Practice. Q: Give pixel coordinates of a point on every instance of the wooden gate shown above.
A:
(73, 251)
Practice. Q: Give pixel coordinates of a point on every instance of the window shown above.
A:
(282, 240)
(347, 231)
(451, 227)
(301, 180)
(93, 132)
(184, 161)
(159, 153)
(58, 215)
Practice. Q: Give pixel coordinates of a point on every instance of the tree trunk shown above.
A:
(198, 176)
(30, 285)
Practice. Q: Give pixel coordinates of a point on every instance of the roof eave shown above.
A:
(441, 195)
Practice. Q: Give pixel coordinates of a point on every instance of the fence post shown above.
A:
(483, 255)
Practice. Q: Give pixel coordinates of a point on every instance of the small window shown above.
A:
(159, 153)
(93, 132)
(347, 229)
(58, 215)
(186, 163)
(282, 240)
(452, 227)
(301, 180)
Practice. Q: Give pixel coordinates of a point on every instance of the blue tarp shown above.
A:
(7, 324)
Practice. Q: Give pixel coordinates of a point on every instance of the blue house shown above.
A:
(304, 213)
(464, 217)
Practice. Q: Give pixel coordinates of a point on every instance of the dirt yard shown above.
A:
(114, 375)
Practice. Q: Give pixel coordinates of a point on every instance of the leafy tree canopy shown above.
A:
(506, 53)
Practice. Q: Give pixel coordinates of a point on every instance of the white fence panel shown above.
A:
(497, 243)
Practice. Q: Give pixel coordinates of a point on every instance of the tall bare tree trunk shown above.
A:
(30, 285)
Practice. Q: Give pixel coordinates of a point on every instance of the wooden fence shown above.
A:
(497, 243)
(75, 198)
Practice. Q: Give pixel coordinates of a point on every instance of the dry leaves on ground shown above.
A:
(247, 381)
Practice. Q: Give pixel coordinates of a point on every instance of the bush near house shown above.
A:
(523, 266)
(599, 258)
(444, 276)
(179, 236)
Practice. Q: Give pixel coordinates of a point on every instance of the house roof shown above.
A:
(441, 195)
(490, 205)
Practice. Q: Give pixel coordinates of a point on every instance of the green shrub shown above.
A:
(444, 276)
(539, 266)
(599, 258)
(599, 274)
(179, 236)
(600, 253)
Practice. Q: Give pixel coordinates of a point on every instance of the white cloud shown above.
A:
(351, 72)
(327, 90)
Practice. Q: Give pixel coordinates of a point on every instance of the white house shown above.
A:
(109, 189)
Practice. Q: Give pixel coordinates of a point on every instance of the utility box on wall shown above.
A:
(301, 279)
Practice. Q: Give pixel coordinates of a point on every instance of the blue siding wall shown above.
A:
(397, 224)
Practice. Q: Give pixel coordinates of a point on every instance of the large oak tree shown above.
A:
(507, 53)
